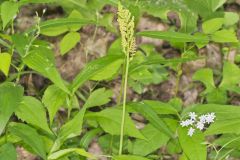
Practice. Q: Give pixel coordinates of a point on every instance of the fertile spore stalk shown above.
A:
(126, 26)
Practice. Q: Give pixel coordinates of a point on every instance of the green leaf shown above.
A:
(8, 152)
(5, 61)
(24, 2)
(153, 118)
(226, 121)
(73, 127)
(67, 22)
(159, 60)
(64, 152)
(92, 69)
(231, 75)
(205, 76)
(108, 71)
(53, 99)
(212, 25)
(110, 121)
(230, 18)
(218, 96)
(173, 36)
(129, 157)
(69, 41)
(192, 146)
(8, 11)
(160, 107)
(88, 137)
(42, 60)
(30, 137)
(98, 97)
(75, 14)
(224, 36)
(32, 111)
(154, 140)
(20, 42)
(204, 8)
(10, 98)
(187, 17)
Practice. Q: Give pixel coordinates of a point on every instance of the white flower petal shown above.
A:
(191, 131)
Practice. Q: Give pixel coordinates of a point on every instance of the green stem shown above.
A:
(122, 85)
(124, 103)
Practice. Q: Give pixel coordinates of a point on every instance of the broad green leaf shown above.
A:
(53, 99)
(20, 42)
(212, 25)
(107, 21)
(154, 140)
(8, 11)
(224, 36)
(23, 2)
(108, 72)
(92, 69)
(218, 96)
(215, 4)
(74, 127)
(32, 111)
(88, 137)
(64, 152)
(5, 61)
(110, 121)
(176, 103)
(161, 9)
(152, 117)
(204, 8)
(69, 41)
(129, 157)
(231, 75)
(10, 98)
(230, 18)
(193, 147)
(226, 121)
(39, 60)
(75, 14)
(115, 48)
(228, 141)
(54, 31)
(224, 126)
(109, 142)
(160, 107)
(8, 152)
(70, 129)
(68, 22)
(205, 76)
(173, 36)
(156, 59)
(30, 137)
(98, 97)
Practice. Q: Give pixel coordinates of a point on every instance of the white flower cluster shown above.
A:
(198, 122)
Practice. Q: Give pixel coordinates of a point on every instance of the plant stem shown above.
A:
(122, 85)
(124, 103)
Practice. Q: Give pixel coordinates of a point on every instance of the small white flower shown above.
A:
(192, 115)
(200, 125)
(210, 118)
(186, 123)
(191, 131)
(202, 118)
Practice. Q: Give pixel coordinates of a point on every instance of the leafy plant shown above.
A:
(62, 119)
